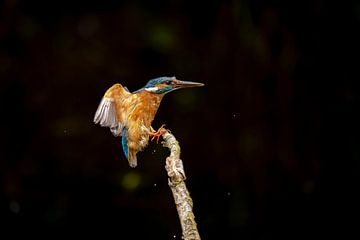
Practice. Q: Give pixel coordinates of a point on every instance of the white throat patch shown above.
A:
(152, 89)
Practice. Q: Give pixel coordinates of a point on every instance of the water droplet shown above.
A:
(228, 194)
(154, 184)
(174, 236)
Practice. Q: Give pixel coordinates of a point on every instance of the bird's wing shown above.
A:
(106, 114)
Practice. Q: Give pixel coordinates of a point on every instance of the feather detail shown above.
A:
(110, 110)
(126, 89)
(106, 114)
(132, 160)
(124, 142)
(116, 131)
(129, 153)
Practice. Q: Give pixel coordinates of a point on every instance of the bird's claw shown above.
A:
(156, 135)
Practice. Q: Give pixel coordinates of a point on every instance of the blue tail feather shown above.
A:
(124, 142)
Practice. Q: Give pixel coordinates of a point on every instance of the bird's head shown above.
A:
(164, 85)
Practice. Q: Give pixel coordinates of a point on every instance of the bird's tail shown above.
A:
(132, 160)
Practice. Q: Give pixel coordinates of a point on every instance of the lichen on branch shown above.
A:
(184, 204)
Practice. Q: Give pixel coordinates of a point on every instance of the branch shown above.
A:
(183, 201)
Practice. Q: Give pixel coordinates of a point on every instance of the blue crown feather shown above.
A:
(155, 81)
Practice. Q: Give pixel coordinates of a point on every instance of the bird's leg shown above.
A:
(157, 134)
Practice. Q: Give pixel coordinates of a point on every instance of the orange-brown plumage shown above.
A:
(130, 114)
(139, 122)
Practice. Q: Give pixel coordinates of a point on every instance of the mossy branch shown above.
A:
(183, 201)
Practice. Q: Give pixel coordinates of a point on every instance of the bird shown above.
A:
(130, 114)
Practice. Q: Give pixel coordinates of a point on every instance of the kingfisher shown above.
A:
(130, 115)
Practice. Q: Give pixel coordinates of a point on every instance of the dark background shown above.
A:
(270, 144)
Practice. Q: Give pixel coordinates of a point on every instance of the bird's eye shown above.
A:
(168, 82)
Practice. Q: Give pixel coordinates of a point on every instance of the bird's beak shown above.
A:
(186, 84)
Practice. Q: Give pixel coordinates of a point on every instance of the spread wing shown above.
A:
(106, 114)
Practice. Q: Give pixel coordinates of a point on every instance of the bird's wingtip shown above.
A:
(105, 114)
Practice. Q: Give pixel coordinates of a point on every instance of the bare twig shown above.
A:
(183, 201)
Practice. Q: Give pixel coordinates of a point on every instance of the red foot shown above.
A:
(156, 135)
